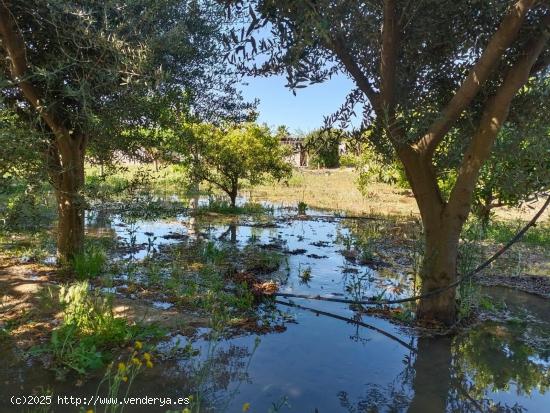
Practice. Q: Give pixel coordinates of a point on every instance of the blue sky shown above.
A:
(305, 111)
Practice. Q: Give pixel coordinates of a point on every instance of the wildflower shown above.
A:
(149, 364)
(186, 410)
(90, 411)
(136, 361)
(246, 407)
(125, 379)
(147, 356)
(138, 345)
(121, 367)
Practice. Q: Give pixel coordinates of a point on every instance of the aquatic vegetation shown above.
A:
(220, 206)
(304, 274)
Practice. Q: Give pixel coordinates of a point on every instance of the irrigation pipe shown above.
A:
(438, 290)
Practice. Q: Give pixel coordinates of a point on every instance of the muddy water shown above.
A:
(323, 364)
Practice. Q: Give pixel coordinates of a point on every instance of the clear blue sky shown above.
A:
(305, 111)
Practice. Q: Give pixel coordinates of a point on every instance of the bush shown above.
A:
(24, 211)
(349, 160)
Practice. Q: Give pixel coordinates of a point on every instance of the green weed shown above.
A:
(304, 274)
(221, 206)
(88, 331)
(89, 263)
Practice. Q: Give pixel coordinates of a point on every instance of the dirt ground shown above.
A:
(30, 310)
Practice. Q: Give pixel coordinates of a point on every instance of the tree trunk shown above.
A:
(441, 235)
(432, 377)
(66, 169)
(483, 210)
(233, 194)
(439, 270)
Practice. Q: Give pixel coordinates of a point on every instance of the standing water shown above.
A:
(319, 363)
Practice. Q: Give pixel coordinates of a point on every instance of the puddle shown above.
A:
(323, 364)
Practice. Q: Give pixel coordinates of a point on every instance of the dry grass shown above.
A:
(336, 189)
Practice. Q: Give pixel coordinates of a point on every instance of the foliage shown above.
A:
(225, 156)
(374, 167)
(348, 160)
(123, 374)
(518, 169)
(503, 231)
(89, 328)
(89, 263)
(218, 206)
(323, 146)
(26, 210)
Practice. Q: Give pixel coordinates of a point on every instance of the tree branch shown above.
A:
(501, 40)
(388, 73)
(494, 115)
(388, 57)
(15, 49)
(337, 45)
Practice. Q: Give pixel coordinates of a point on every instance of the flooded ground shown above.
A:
(314, 362)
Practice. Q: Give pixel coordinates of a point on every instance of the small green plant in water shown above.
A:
(305, 274)
(302, 208)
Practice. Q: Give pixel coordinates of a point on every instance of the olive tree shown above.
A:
(81, 72)
(422, 69)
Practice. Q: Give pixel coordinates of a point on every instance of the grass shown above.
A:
(501, 232)
(88, 332)
(220, 206)
(89, 263)
(336, 189)
(118, 181)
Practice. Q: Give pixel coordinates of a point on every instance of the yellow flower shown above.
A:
(147, 356)
(125, 379)
(138, 345)
(90, 411)
(186, 410)
(149, 364)
(246, 407)
(121, 367)
(136, 361)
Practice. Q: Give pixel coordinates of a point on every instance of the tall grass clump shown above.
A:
(89, 263)
(89, 330)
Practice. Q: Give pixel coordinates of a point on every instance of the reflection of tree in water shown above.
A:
(395, 397)
(218, 376)
(455, 375)
(503, 357)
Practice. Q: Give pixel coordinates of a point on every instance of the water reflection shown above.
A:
(329, 365)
